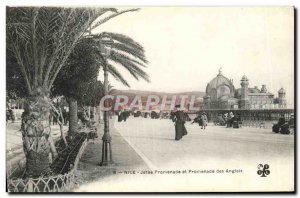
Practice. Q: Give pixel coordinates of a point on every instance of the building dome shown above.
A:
(218, 81)
(220, 86)
(244, 78)
(281, 91)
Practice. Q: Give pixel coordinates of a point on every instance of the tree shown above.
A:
(126, 53)
(76, 80)
(41, 39)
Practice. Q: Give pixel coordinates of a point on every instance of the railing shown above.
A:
(57, 183)
(256, 118)
(257, 124)
(251, 115)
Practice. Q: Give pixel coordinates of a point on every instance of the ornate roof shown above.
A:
(251, 92)
(217, 81)
(244, 78)
(281, 91)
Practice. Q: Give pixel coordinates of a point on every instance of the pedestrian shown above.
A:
(277, 127)
(146, 115)
(187, 117)
(180, 129)
(220, 120)
(7, 115)
(226, 119)
(198, 120)
(120, 116)
(204, 120)
(126, 115)
(230, 120)
(13, 115)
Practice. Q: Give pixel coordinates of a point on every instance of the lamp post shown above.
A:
(106, 47)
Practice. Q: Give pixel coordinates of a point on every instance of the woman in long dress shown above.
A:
(180, 129)
(204, 120)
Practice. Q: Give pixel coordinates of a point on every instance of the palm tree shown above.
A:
(126, 53)
(41, 39)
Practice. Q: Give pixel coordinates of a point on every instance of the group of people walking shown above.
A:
(179, 118)
(202, 120)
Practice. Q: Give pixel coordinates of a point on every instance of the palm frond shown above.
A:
(126, 40)
(126, 52)
(42, 38)
(116, 74)
(135, 52)
(124, 56)
(130, 66)
(112, 16)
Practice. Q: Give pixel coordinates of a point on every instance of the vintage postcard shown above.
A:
(150, 99)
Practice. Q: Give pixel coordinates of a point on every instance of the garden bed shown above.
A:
(63, 167)
(65, 160)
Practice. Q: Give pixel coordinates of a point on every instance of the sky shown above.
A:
(186, 46)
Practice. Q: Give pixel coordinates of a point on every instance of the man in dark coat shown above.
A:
(180, 129)
(120, 116)
(126, 115)
(154, 115)
(276, 127)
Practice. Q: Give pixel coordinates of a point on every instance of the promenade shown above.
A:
(148, 159)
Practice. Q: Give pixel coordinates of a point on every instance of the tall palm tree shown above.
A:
(41, 39)
(126, 53)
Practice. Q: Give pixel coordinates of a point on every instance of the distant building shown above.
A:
(221, 94)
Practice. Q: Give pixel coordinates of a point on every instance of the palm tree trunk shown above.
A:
(36, 135)
(73, 119)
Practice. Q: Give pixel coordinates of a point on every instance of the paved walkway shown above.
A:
(146, 144)
(124, 156)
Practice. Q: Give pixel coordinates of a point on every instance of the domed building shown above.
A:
(221, 94)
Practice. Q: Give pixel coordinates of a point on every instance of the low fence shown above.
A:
(259, 118)
(257, 124)
(57, 183)
(251, 114)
